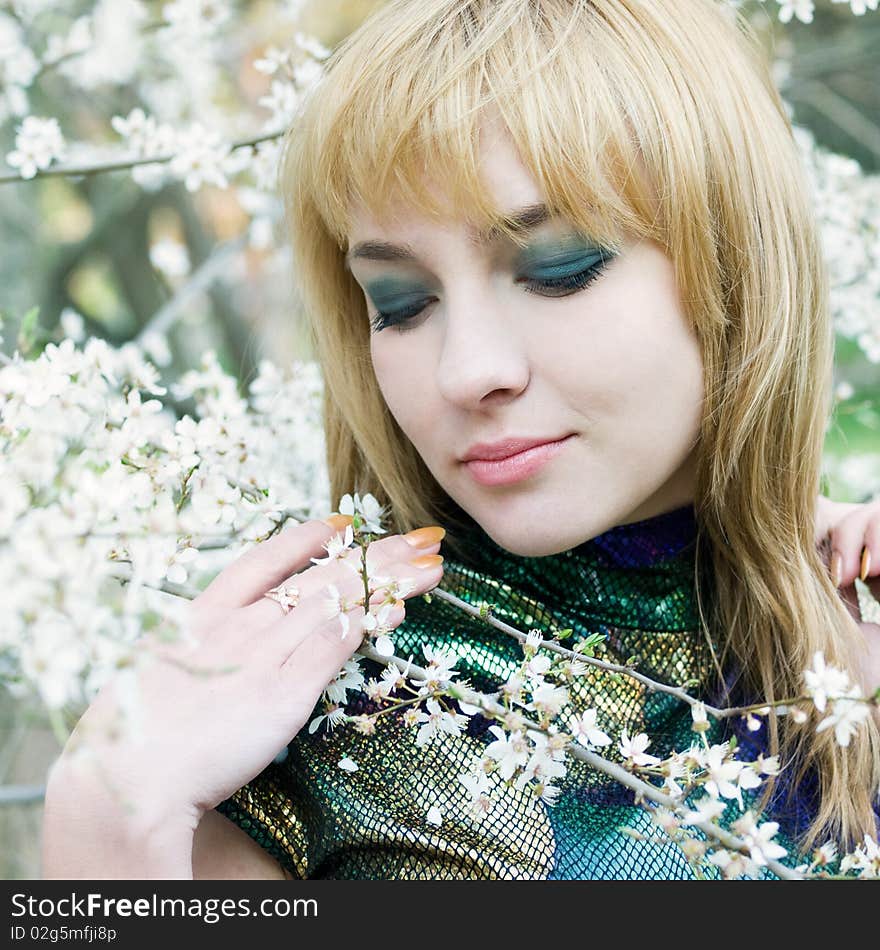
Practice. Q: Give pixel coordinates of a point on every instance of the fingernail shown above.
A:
(835, 568)
(425, 537)
(427, 560)
(339, 522)
(865, 565)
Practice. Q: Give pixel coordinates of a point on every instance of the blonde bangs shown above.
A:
(403, 102)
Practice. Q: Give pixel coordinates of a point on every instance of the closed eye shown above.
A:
(562, 286)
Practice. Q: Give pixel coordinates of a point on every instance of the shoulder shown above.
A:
(223, 852)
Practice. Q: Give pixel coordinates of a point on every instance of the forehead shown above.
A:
(505, 181)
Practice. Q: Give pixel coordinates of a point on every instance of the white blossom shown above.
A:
(802, 9)
(479, 788)
(860, 7)
(548, 699)
(38, 142)
(170, 258)
(337, 548)
(200, 157)
(699, 717)
(847, 714)
(283, 101)
(633, 749)
(109, 44)
(759, 838)
(438, 672)
(510, 752)
(18, 67)
(437, 721)
(313, 46)
(193, 20)
(337, 606)
(824, 682)
(865, 859)
(585, 730)
(273, 60)
(333, 716)
(733, 864)
(706, 809)
(350, 677)
(368, 508)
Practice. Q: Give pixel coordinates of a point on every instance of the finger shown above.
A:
(265, 565)
(828, 513)
(847, 542)
(380, 555)
(870, 559)
(320, 656)
(336, 613)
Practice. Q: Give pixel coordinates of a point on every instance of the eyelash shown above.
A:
(571, 282)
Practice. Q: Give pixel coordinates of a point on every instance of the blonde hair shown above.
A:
(647, 117)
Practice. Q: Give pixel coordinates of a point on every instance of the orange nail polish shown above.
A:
(427, 560)
(865, 565)
(339, 522)
(836, 568)
(425, 537)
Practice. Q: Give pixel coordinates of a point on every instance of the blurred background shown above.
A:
(184, 271)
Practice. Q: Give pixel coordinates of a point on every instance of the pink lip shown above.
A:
(515, 467)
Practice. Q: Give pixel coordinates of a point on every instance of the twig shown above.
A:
(205, 274)
(840, 111)
(21, 794)
(653, 685)
(646, 790)
(48, 65)
(552, 647)
(122, 164)
(490, 705)
(598, 762)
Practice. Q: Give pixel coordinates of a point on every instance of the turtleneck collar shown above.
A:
(644, 544)
(634, 576)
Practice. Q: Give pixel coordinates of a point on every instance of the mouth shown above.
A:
(517, 466)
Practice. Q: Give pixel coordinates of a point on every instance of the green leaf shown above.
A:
(28, 331)
(590, 643)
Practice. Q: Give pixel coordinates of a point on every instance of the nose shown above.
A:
(483, 357)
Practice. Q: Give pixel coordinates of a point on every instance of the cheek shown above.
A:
(403, 380)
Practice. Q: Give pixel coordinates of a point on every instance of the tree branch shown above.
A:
(21, 794)
(839, 111)
(201, 278)
(652, 685)
(123, 164)
(600, 763)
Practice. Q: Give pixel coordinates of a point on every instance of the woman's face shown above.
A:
(509, 343)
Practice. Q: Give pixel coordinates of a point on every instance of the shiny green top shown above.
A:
(635, 585)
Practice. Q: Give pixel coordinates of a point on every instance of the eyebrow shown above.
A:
(520, 219)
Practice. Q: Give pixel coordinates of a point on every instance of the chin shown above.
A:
(524, 542)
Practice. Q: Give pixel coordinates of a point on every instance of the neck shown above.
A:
(638, 575)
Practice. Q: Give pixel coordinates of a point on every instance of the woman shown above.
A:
(564, 225)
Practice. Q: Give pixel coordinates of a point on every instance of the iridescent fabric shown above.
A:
(636, 585)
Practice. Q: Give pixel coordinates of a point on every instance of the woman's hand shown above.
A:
(850, 535)
(214, 710)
